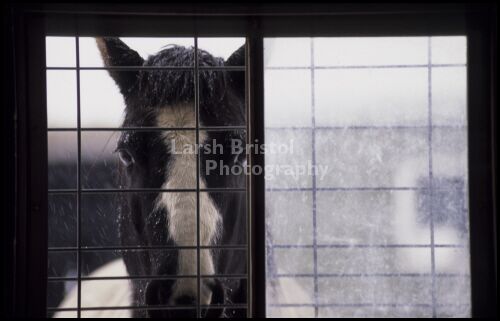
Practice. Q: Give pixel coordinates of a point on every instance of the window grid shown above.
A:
(430, 126)
(315, 232)
(197, 122)
(313, 189)
(79, 191)
(78, 182)
(429, 142)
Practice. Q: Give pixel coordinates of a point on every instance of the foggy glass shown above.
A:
(383, 231)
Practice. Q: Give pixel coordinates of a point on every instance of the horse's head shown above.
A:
(157, 97)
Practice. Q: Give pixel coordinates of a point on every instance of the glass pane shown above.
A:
(222, 158)
(145, 47)
(92, 260)
(287, 53)
(232, 309)
(376, 51)
(222, 98)
(370, 218)
(291, 98)
(58, 293)
(155, 98)
(60, 51)
(101, 104)
(449, 96)
(62, 220)
(222, 48)
(63, 314)
(383, 102)
(288, 158)
(148, 154)
(99, 219)
(62, 154)
(99, 162)
(373, 221)
(364, 157)
(233, 209)
(140, 212)
(62, 264)
(93, 297)
(61, 99)
(449, 50)
(283, 230)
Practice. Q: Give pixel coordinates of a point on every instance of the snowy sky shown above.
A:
(101, 103)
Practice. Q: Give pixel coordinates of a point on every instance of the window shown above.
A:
(133, 229)
(373, 196)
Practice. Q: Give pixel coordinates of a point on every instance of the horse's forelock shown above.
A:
(160, 87)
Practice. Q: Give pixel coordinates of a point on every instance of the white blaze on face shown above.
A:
(181, 207)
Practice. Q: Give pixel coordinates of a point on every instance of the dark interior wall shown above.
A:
(8, 161)
(8, 142)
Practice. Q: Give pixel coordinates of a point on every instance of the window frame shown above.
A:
(30, 25)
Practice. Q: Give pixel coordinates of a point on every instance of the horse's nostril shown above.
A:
(185, 300)
(218, 298)
(158, 292)
(161, 292)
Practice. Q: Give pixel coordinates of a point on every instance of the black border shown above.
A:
(25, 100)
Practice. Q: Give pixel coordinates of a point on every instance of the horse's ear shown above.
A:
(237, 78)
(115, 53)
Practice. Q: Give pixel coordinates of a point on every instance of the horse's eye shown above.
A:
(125, 157)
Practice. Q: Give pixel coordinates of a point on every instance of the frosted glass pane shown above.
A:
(453, 310)
(289, 217)
(287, 167)
(453, 290)
(293, 260)
(374, 220)
(384, 127)
(287, 52)
(290, 103)
(449, 96)
(376, 157)
(372, 261)
(374, 51)
(299, 312)
(449, 50)
(381, 97)
(306, 283)
(380, 291)
(449, 156)
(60, 51)
(382, 311)
(449, 260)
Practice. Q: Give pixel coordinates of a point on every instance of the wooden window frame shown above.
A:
(26, 128)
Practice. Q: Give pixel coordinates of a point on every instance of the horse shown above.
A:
(164, 98)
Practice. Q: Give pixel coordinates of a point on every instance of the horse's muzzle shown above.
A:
(158, 293)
